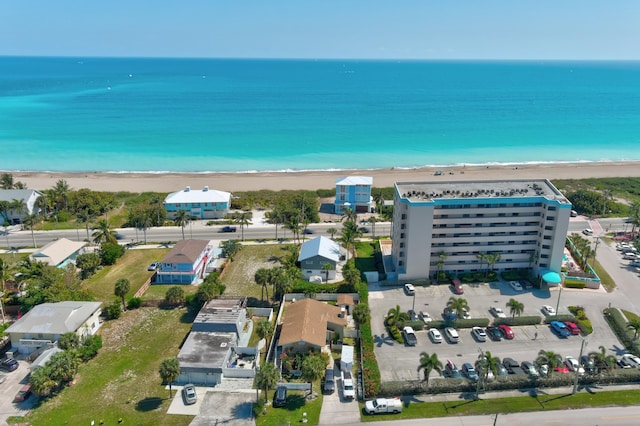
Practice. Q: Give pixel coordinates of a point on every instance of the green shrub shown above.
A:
(561, 318)
(396, 334)
(585, 326)
(134, 303)
(416, 325)
(114, 310)
(471, 322)
(526, 320)
(575, 284)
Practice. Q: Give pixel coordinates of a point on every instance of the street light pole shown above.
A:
(559, 294)
(413, 306)
(575, 380)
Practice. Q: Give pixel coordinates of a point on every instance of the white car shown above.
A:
(409, 288)
(497, 312)
(515, 285)
(573, 365)
(435, 336)
(452, 335)
(587, 231)
(479, 334)
(548, 310)
(425, 317)
(629, 360)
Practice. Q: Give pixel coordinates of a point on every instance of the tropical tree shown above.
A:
(266, 378)
(169, 371)
(293, 224)
(174, 295)
(549, 358)
(482, 256)
(487, 362)
(5, 272)
(491, 259)
(372, 221)
(41, 383)
(243, 219)
(349, 235)
(122, 287)
(6, 181)
(61, 195)
(442, 257)
(30, 220)
(182, 219)
(264, 329)
(379, 200)
(332, 232)
(429, 363)
(602, 360)
(68, 341)
(83, 216)
(634, 324)
(458, 305)
(326, 267)
(312, 369)
(395, 317)
(88, 264)
(230, 248)
(362, 313)
(515, 307)
(102, 233)
(349, 215)
(351, 274)
(262, 277)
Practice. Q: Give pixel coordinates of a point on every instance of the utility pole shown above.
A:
(575, 380)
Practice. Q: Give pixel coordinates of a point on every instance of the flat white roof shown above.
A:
(205, 195)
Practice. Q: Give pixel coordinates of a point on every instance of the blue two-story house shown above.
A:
(203, 204)
(185, 263)
(353, 192)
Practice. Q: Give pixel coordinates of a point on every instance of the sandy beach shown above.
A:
(237, 182)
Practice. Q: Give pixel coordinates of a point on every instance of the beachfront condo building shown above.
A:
(202, 204)
(353, 192)
(451, 225)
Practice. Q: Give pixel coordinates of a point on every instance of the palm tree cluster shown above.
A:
(490, 258)
(515, 307)
(280, 279)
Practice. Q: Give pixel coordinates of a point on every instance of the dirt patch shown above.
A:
(239, 276)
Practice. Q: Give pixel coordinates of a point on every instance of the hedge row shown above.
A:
(618, 323)
(581, 319)
(561, 318)
(370, 369)
(574, 284)
(460, 323)
(526, 320)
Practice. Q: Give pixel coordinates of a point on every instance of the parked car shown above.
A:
(9, 365)
(456, 288)
(587, 231)
(280, 397)
(425, 317)
(512, 366)
(451, 370)
(588, 364)
(494, 333)
(501, 371)
(413, 316)
(435, 336)
(629, 361)
(23, 394)
(308, 231)
(153, 266)
(530, 369)
(559, 328)
(452, 335)
(543, 369)
(506, 330)
(228, 229)
(548, 310)
(572, 327)
(515, 285)
(329, 381)
(561, 367)
(409, 336)
(448, 314)
(479, 334)
(189, 394)
(409, 289)
(573, 365)
(469, 371)
(497, 312)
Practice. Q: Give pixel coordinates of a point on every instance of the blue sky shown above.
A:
(413, 29)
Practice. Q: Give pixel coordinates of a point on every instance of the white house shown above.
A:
(201, 203)
(28, 196)
(59, 253)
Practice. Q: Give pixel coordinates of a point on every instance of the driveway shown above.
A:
(335, 407)
(9, 388)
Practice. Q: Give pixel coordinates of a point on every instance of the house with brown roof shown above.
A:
(185, 263)
(308, 325)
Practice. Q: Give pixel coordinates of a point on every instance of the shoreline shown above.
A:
(312, 180)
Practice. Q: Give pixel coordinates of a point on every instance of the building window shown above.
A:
(401, 254)
(403, 216)
(401, 263)
(402, 245)
(402, 226)
(402, 235)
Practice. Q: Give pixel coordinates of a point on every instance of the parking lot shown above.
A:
(9, 388)
(399, 362)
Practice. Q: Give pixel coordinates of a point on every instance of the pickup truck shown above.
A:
(228, 229)
(382, 405)
(348, 390)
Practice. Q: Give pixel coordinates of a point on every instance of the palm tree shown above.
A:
(549, 358)
(242, 219)
(373, 220)
(332, 231)
(429, 363)
(634, 324)
(350, 233)
(6, 181)
(326, 267)
(458, 305)
(602, 360)
(31, 220)
(5, 272)
(264, 329)
(262, 277)
(313, 368)
(515, 307)
(293, 224)
(379, 200)
(395, 317)
(491, 259)
(122, 288)
(169, 371)
(61, 194)
(443, 257)
(102, 232)
(266, 378)
(487, 362)
(182, 219)
(361, 313)
(481, 257)
(349, 215)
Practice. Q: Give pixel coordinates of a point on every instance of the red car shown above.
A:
(456, 287)
(506, 330)
(561, 369)
(572, 327)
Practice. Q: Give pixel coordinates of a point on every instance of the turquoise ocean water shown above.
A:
(215, 115)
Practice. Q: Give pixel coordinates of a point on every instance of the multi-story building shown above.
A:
(203, 204)
(451, 225)
(353, 192)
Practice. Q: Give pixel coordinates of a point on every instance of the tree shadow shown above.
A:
(243, 410)
(295, 402)
(383, 340)
(254, 302)
(187, 317)
(619, 350)
(149, 404)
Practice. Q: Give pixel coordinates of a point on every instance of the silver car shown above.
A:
(189, 394)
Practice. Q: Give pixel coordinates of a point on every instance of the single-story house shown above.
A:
(354, 193)
(309, 324)
(59, 253)
(319, 257)
(28, 196)
(45, 323)
(203, 204)
(345, 302)
(185, 263)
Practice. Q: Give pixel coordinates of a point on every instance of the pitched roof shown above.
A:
(345, 299)
(186, 251)
(55, 318)
(56, 252)
(320, 246)
(306, 320)
(17, 194)
(205, 195)
(354, 180)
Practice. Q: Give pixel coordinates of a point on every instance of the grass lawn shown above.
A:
(292, 412)
(123, 380)
(133, 266)
(239, 275)
(511, 405)
(158, 291)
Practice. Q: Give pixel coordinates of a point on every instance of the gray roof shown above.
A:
(56, 252)
(55, 318)
(221, 311)
(17, 194)
(44, 357)
(320, 246)
(205, 351)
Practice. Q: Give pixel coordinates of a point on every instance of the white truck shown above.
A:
(348, 389)
(383, 405)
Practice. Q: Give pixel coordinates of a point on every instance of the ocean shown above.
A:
(225, 115)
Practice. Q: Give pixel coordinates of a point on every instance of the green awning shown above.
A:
(552, 277)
